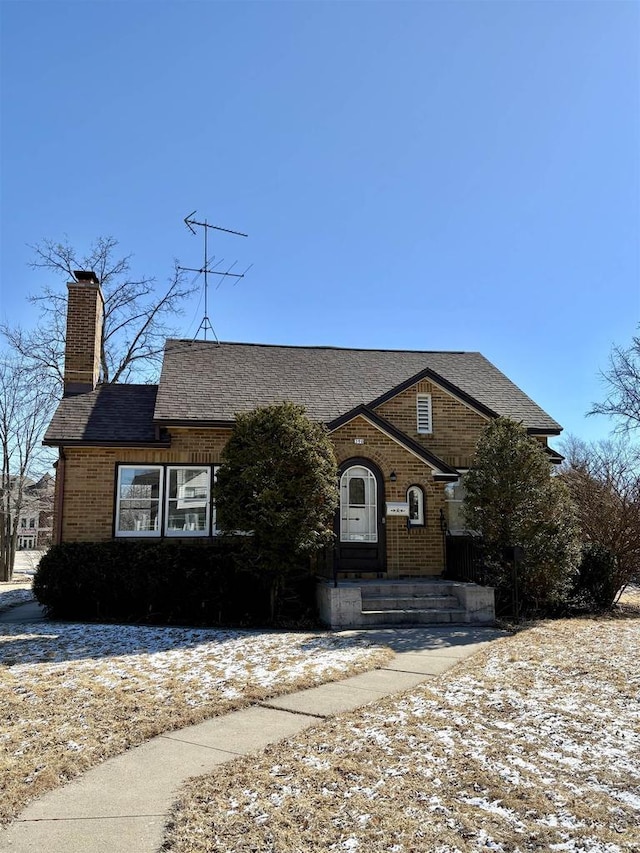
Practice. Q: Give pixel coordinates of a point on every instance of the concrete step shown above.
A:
(406, 618)
(394, 589)
(408, 602)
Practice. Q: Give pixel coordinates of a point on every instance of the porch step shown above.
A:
(410, 602)
(403, 602)
(407, 618)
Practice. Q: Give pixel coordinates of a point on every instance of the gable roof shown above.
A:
(110, 415)
(441, 470)
(327, 381)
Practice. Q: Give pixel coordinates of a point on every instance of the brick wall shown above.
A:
(456, 427)
(418, 551)
(84, 335)
(90, 472)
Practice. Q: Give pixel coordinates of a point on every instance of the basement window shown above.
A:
(423, 411)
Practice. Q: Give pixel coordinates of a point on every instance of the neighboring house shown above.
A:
(35, 522)
(139, 460)
(35, 516)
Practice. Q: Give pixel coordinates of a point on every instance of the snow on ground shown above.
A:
(127, 683)
(531, 745)
(11, 597)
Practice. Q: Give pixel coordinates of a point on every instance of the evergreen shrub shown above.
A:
(163, 583)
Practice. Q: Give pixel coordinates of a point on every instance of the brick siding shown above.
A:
(409, 552)
(90, 472)
(89, 487)
(84, 334)
(456, 427)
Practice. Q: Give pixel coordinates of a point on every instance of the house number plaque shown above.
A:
(398, 508)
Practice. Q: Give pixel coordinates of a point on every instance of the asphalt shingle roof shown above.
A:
(112, 413)
(210, 382)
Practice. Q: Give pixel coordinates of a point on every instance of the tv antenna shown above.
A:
(206, 269)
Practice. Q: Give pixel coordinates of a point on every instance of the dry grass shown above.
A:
(533, 744)
(73, 695)
(630, 598)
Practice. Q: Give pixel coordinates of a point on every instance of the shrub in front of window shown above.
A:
(278, 484)
(161, 582)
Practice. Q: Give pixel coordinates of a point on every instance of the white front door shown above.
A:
(358, 505)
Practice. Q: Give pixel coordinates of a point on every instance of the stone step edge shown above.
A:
(413, 610)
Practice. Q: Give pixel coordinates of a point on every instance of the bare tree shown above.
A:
(622, 380)
(26, 399)
(604, 482)
(136, 315)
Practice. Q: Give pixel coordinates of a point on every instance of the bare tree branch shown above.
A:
(622, 380)
(604, 482)
(136, 315)
(26, 402)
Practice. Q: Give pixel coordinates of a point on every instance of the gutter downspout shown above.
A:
(59, 504)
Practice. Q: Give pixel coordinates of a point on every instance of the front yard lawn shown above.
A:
(533, 744)
(73, 695)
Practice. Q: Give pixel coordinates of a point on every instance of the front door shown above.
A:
(360, 523)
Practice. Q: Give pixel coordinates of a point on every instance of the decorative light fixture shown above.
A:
(393, 476)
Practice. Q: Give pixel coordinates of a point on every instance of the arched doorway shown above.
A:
(360, 530)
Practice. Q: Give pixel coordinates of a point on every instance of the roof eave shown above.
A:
(445, 384)
(81, 442)
(193, 422)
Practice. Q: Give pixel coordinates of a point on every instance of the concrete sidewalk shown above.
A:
(31, 611)
(121, 805)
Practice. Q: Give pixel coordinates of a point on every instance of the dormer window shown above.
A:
(423, 407)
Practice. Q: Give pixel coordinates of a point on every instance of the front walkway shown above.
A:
(121, 805)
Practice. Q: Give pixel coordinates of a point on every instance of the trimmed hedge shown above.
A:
(164, 583)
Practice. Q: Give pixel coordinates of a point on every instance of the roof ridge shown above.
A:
(321, 347)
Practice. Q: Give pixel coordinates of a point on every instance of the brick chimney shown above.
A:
(85, 310)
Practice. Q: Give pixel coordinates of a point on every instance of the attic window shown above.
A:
(423, 408)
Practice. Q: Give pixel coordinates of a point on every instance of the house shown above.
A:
(29, 504)
(139, 460)
(35, 521)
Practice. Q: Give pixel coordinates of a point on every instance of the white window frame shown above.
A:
(212, 500)
(170, 532)
(419, 521)
(424, 413)
(156, 532)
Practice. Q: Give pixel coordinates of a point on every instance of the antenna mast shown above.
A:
(205, 325)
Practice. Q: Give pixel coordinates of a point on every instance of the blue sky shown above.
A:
(429, 175)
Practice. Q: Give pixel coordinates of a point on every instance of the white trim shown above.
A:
(419, 521)
(182, 532)
(155, 533)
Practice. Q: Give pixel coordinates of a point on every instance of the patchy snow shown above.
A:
(532, 745)
(127, 683)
